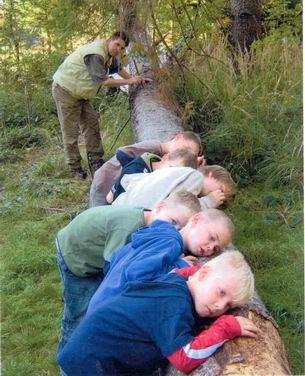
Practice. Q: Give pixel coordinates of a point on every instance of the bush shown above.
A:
(250, 122)
(17, 139)
(26, 105)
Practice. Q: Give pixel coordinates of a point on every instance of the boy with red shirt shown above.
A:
(152, 320)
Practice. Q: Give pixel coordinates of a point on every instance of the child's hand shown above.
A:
(217, 197)
(191, 260)
(248, 329)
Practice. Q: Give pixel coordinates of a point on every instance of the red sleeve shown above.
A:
(205, 344)
(188, 270)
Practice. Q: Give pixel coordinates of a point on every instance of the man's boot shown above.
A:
(95, 161)
(77, 171)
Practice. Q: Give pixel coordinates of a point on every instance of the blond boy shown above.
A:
(152, 320)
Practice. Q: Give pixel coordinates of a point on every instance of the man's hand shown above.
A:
(218, 197)
(248, 329)
(136, 80)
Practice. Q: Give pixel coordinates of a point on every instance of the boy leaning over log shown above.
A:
(106, 175)
(152, 320)
(86, 244)
(212, 184)
(147, 163)
(156, 249)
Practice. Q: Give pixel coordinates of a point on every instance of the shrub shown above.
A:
(250, 122)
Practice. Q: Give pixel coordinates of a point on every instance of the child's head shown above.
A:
(222, 283)
(179, 158)
(207, 232)
(217, 177)
(177, 208)
(186, 140)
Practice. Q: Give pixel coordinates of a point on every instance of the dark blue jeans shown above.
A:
(77, 293)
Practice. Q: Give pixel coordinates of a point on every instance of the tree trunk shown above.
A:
(246, 356)
(152, 111)
(246, 23)
(153, 117)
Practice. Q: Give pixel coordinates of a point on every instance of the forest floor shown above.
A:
(38, 198)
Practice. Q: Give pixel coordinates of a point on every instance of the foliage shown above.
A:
(250, 122)
(274, 219)
(283, 20)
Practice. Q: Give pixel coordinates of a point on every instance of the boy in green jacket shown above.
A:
(86, 244)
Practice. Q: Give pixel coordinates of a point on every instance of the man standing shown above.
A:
(76, 82)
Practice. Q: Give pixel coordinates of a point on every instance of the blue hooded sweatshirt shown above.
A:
(152, 252)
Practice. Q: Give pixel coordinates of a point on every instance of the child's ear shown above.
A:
(196, 219)
(162, 205)
(203, 272)
(165, 158)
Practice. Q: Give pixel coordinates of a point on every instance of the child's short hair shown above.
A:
(223, 176)
(185, 199)
(218, 215)
(234, 263)
(194, 137)
(188, 158)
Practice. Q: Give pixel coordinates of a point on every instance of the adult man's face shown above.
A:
(115, 46)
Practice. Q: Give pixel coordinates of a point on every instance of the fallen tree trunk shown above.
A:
(153, 117)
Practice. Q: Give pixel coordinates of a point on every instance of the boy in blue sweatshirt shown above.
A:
(157, 249)
(86, 244)
(152, 319)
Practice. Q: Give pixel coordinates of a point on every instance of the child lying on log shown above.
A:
(149, 162)
(151, 320)
(106, 175)
(86, 244)
(156, 250)
(213, 184)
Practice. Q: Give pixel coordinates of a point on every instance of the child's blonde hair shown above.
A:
(223, 176)
(188, 158)
(219, 215)
(233, 263)
(186, 199)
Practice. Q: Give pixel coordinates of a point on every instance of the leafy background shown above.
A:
(250, 122)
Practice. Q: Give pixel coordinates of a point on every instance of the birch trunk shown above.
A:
(153, 117)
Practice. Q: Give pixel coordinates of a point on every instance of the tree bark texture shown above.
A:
(153, 118)
(153, 114)
(246, 26)
(265, 355)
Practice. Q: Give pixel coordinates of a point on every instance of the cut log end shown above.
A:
(246, 356)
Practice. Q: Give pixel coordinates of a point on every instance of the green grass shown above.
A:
(269, 231)
(39, 198)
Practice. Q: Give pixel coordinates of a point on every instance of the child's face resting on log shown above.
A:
(223, 283)
(207, 232)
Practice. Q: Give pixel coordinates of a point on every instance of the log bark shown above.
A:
(154, 118)
(153, 114)
(246, 26)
